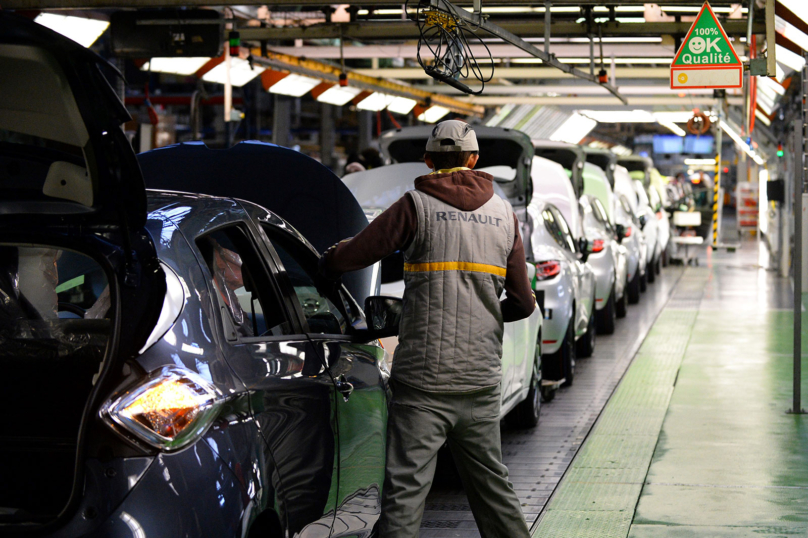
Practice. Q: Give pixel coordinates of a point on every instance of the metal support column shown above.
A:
(799, 188)
(717, 183)
(327, 135)
(365, 119)
(282, 121)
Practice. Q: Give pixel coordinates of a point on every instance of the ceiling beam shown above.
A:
(574, 90)
(96, 4)
(687, 102)
(561, 50)
(370, 30)
(521, 73)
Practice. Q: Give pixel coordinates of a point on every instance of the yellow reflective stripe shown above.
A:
(454, 266)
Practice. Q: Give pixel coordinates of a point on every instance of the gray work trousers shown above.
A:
(419, 423)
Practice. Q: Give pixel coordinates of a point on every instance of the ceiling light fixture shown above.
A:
(375, 102)
(294, 85)
(83, 31)
(675, 129)
(433, 114)
(240, 72)
(401, 105)
(175, 66)
(574, 129)
(338, 95)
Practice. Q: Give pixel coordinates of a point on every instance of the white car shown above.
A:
(378, 189)
(628, 228)
(650, 228)
(608, 256)
(565, 283)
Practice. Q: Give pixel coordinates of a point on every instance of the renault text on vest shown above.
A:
(467, 217)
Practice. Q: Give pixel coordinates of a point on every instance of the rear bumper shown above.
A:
(557, 311)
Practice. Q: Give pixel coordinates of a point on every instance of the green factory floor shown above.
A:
(695, 441)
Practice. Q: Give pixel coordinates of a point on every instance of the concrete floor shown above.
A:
(695, 441)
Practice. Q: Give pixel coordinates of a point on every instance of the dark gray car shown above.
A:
(172, 365)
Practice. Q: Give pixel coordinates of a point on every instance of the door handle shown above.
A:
(344, 387)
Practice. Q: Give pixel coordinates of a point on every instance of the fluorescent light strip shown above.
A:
(433, 114)
(294, 85)
(795, 62)
(375, 102)
(675, 129)
(638, 60)
(401, 105)
(574, 129)
(699, 162)
(619, 116)
(762, 117)
(83, 31)
(175, 66)
(338, 95)
(737, 139)
(240, 73)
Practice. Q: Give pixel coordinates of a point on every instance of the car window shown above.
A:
(565, 230)
(600, 213)
(241, 284)
(326, 312)
(550, 222)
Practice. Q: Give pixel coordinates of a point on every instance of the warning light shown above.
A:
(726, 170)
(603, 78)
(234, 39)
(343, 79)
(780, 150)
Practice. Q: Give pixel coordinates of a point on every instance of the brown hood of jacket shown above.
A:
(466, 190)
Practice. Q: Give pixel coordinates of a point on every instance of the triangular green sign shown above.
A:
(706, 43)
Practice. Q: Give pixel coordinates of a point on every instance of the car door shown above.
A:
(329, 313)
(585, 278)
(292, 394)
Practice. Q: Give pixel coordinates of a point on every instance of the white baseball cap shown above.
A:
(452, 135)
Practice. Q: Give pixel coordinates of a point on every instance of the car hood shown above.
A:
(296, 187)
(64, 157)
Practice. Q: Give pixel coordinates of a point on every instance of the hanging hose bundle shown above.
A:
(444, 51)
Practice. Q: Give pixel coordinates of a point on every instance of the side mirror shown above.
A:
(383, 316)
(620, 230)
(643, 221)
(584, 249)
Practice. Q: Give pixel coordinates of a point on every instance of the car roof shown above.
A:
(163, 201)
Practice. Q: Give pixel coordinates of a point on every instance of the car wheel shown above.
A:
(634, 288)
(526, 413)
(561, 364)
(644, 280)
(607, 316)
(622, 305)
(586, 344)
(650, 273)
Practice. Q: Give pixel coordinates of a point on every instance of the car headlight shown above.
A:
(171, 409)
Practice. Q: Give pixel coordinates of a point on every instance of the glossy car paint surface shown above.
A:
(651, 228)
(569, 295)
(609, 264)
(288, 440)
(626, 215)
(380, 188)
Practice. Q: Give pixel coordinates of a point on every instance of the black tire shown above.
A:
(622, 305)
(607, 316)
(561, 364)
(644, 280)
(633, 290)
(650, 274)
(526, 413)
(665, 258)
(658, 264)
(585, 346)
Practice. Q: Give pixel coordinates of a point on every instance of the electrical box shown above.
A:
(158, 33)
(776, 190)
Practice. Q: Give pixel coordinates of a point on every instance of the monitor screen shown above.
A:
(667, 144)
(699, 144)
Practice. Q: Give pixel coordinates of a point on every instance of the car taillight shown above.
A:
(548, 269)
(627, 233)
(171, 409)
(659, 215)
(597, 245)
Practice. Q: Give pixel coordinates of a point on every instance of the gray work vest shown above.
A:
(450, 338)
